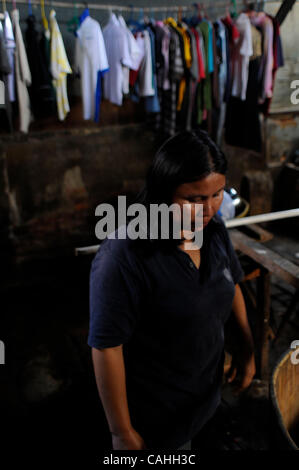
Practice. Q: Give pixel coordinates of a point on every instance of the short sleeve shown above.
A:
(102, 61)
(124, 51)
(114, 301)
(234, 264)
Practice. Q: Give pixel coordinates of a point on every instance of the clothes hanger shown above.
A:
(131, 22)
(86, 7)
(179, 17)
(30, 12)
(204, 11)
(74, 23)
(234, 9)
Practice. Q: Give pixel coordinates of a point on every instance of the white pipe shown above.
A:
(229, 224)
(86, 250)
(262, 218)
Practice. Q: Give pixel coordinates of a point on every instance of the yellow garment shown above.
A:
(187, 57)
(256, 43)
(44, 19)
(60, 67)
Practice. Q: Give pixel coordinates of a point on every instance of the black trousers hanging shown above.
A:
(242, 125)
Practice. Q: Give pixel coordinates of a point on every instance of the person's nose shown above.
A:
(208, 209)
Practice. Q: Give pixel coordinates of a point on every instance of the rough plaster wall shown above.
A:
(55, 182)
(290, 40)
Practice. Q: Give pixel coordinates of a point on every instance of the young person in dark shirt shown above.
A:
(158, 309)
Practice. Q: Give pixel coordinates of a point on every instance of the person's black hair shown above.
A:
(186, 157)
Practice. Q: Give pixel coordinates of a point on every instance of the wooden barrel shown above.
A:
(284, 395)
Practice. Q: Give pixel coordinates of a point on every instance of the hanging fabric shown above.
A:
(91, 62)
(243, 50)
(118, 55)
(60, 67)
(10, 45)
(5, 70)
(43, 13)
(30, 12)
(23, 75)
(41, 91)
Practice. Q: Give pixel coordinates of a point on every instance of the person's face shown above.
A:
(207, 191)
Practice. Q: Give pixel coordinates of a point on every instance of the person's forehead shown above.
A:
(210, 184)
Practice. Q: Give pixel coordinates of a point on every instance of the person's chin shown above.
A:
(205, 221)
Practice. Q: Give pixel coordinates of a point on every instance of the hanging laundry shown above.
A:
(222, 54)
(145, 75)
(136, 66)
(241, 53)
(41, 91)
(92, 63)
(45, 42)
(152, 104)
(10, 45)
(136, 54)
(5, 71)
(264, 22)
(163, 71)
(204, 94)
(278, 61)
(23, 75)
(118, 53)
(60, 67)
(176, 73)
(246, 132)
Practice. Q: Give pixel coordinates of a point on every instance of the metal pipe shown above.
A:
(92, 6)
(87, 250)
(253, 219)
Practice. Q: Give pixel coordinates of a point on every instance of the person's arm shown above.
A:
(111, 383)
(244, 364)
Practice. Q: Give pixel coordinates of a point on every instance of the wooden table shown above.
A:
(267, 263)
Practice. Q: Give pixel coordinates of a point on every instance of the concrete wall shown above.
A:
(54, 181)
(285, 75)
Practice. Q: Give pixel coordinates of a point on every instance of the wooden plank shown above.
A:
(258, 232)
(267, 258)
(263, 304)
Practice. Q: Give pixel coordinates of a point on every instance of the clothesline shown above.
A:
(92, 6)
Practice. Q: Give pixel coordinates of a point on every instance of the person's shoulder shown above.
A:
(218, 231)
(217, 224)
(121, 248)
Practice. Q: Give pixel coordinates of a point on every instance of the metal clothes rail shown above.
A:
(206, 5)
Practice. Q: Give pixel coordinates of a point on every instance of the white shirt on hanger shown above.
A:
(90, 58)
(118, 53)
(135, 52)
(145, 75)
(23, 74)
(243, 50)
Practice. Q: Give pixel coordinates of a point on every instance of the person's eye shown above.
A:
(197, 200)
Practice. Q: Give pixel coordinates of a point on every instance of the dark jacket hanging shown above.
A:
(41, 92)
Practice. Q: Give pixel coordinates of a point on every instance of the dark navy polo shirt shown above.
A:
(170, 318)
